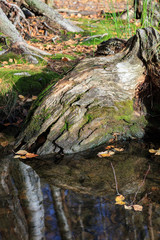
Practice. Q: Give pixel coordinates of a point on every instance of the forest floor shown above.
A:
(21, 82)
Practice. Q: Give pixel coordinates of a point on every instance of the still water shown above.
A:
(73, 197)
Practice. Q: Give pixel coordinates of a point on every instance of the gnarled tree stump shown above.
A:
(102, 97)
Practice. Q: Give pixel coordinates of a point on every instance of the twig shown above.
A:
(115, 178)
(134, 199)
(95, 36)
(46, 25)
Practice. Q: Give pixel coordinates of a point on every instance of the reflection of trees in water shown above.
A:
(21, 203)
(69, 215)
(29, 190)
(89, 217)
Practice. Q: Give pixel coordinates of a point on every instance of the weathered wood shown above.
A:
(53, 15)
(96, 101)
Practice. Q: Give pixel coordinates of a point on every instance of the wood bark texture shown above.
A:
(52, 14)
(98, 100)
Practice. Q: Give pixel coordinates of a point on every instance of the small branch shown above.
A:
(134, 199)
(46, 25)
(95, 36)
(38, 50)
(114, 173)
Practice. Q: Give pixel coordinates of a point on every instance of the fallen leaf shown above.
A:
(17, 156)
(109, 147)
(11, 60)
(158, 152)
(128, 207)
(21, 97)
(34, 97)
(5, 62)
(120, 203)
(6, 124)
(4, 143)
(29, 100)
(65, 59)
(105, 154)
(137, 208)
(0, 80)
(119, 198)
(119, 149)
(31, 155)
(23, 157)
(22, 152)
(152, 150)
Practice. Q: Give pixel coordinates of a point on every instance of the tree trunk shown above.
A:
(52, 14)
(102, 98)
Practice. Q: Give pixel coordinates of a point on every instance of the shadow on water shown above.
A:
(73, 197)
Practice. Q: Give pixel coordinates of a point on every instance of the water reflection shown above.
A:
(95, 218)
(21, 202)
(73, 197)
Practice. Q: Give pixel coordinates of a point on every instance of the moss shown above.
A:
(125, 110)
(65, 127)
(60, 56)
(36, 123)
(89, 118)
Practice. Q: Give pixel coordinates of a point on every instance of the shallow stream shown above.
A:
(73, 197)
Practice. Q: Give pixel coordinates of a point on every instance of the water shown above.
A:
(73, 197)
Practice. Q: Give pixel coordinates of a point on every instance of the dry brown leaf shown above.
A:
(119, 200)
(128, 207)
(6, 124)
(4, 62)
(105, 154)
(0, 80)
(31, 66)
(11, 60)
(22, 152)
(109, 147)
(23, 157)
(21, 97)
(34, 98)
(157, 152)
(120, 203)
(31, 155)
(65, 59)
(29, 100)
(137, 207)
(119, 149)
(17, 156)
(4, 143)
(152, 150)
